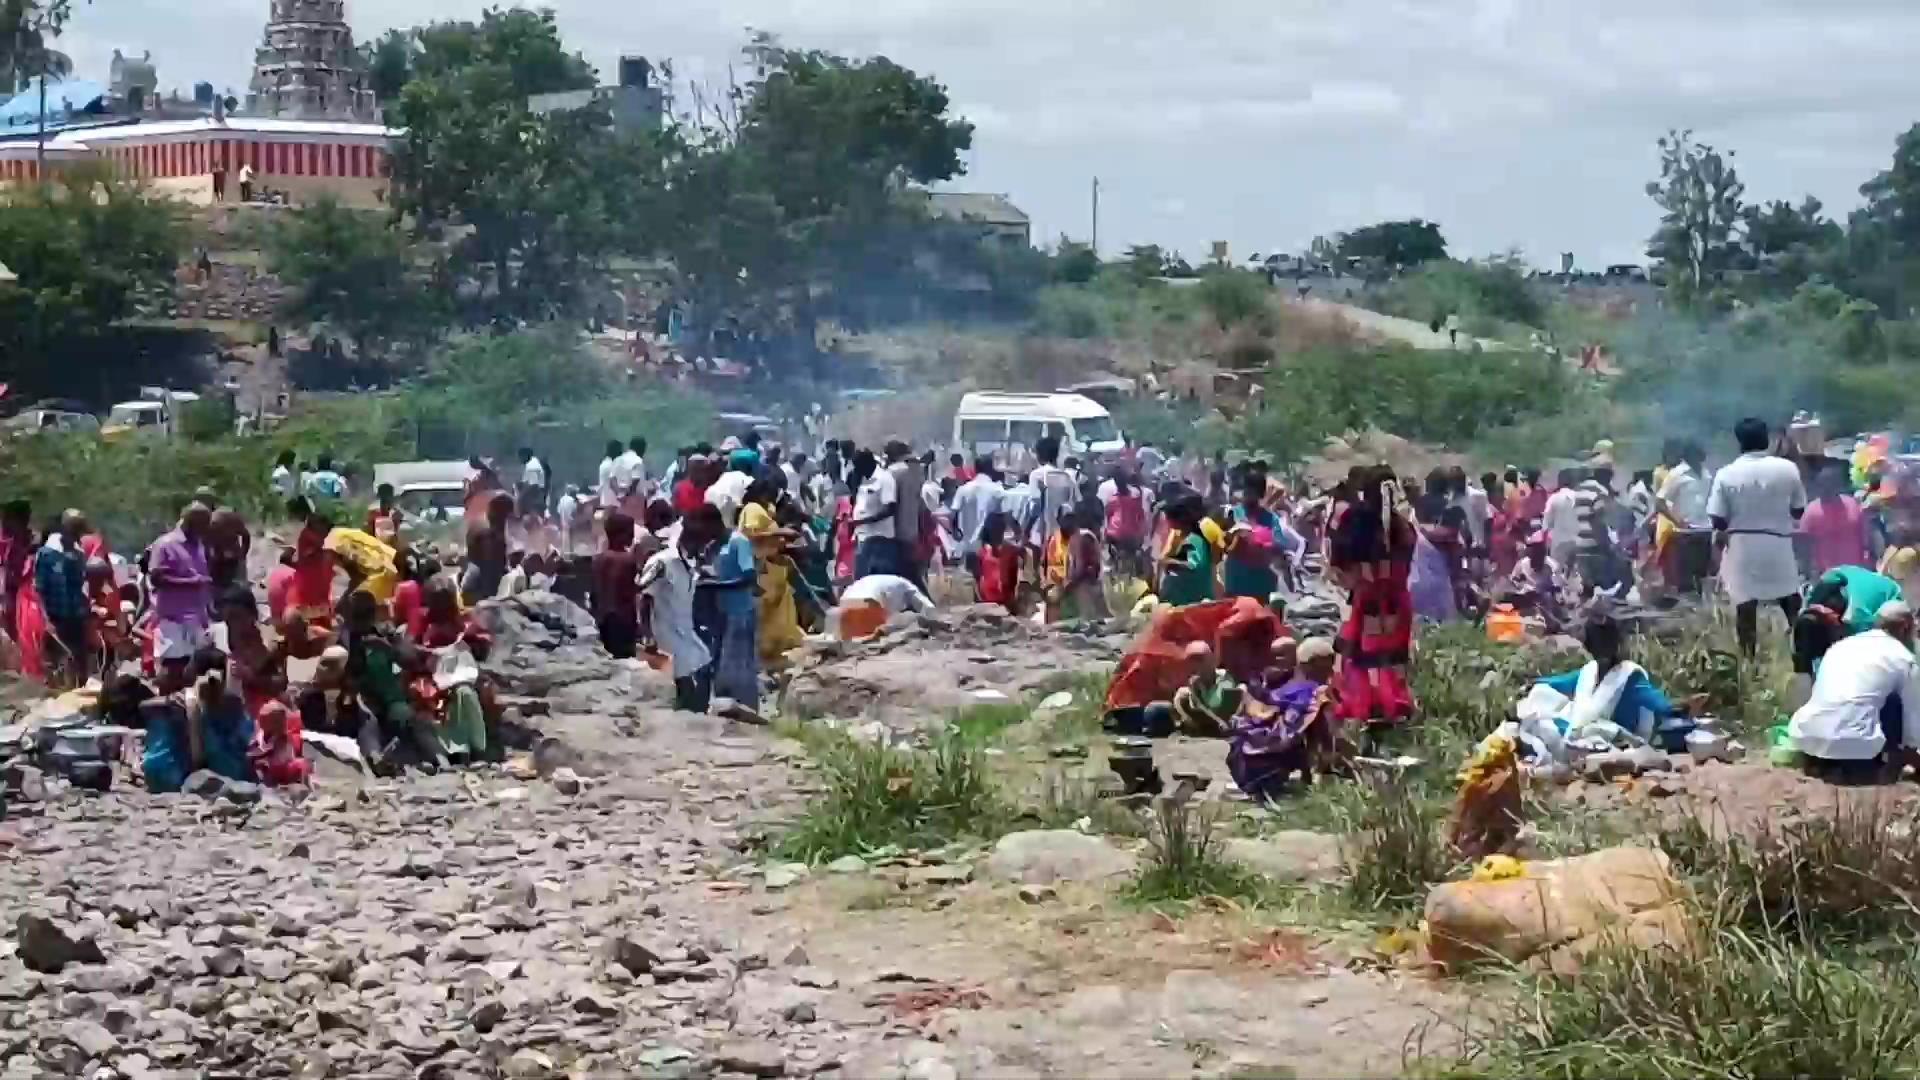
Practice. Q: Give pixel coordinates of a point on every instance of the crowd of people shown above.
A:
(717, 566)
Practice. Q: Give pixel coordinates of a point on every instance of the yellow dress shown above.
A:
(779, 617)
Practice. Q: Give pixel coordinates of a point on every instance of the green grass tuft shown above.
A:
(1186, 861)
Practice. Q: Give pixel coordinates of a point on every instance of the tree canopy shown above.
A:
(1395, 243)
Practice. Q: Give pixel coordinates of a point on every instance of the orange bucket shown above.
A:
(862, 619)
(1505, 625)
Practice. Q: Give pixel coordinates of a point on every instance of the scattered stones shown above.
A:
(1054, 855)
(46, 946)
(636, 956)
(1038, 894)
(847, 864)
(786, 875)
(92, 1038)
(753, 1058)
(815, 978)
(565, 781)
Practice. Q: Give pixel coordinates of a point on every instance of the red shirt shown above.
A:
(409, 609)
(687, 497)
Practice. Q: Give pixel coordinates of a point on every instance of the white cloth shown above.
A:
(1685, 494)
(1841, 721)
(282, 482)
(896, 594)
(976, 499)
(794, 487)
(1595, 698)
(1758, 495)
(728, 493)
(1561, 517)
(534, 473)
(608, 491)
(875, 495)
(668, 578)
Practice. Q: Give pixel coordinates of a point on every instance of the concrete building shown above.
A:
(996, 215)
(303, 159)
(306, 67)
(636, 104)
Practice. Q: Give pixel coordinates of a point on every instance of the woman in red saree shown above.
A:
(1371, 545)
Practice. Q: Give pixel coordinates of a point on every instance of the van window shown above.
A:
(1026, 432)
(1095, 429)
(983, 433)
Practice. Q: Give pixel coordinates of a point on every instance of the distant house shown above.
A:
(996, 215)
(636, 104)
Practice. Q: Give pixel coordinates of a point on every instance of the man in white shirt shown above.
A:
(1864, 712)
(1056, 489)
(1755, 504)
(876, 501)
(1682, 501)
(1561, 518)
(666, 612)
(608, 490)
(533, 483)
(630, 469)
(896, 594)
(976, 499)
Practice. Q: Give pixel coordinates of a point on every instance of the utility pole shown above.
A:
(1096, 216)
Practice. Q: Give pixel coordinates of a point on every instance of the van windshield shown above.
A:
(1095, 429)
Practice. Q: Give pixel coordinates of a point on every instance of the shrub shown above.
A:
(1743, 1006)
(878, 796)
(1186, 859)
(1397, 850)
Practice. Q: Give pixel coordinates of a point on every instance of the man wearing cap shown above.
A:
(1864, 713)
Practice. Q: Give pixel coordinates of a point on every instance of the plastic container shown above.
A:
(1504, 624)
(861, 620)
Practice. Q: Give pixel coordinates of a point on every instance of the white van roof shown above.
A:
(1015, 406)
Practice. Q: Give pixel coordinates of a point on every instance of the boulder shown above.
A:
(48, 947)
(1559, 911)
(1048, 856)
(1295, 855)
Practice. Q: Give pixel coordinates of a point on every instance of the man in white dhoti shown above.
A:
(1755, 505)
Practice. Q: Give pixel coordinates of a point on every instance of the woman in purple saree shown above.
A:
(1284, 724)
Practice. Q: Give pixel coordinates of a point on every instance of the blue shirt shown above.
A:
(58, 578)
(733, 564)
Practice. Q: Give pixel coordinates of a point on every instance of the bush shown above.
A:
(1186, 860)
(1744, 1006)
(1397, 850)
(1486, 291)
(1232, 297)
(878, 796)
(1074, 312)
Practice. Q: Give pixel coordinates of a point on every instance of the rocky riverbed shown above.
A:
(604, 912)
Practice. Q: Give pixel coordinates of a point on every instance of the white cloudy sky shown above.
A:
(1514, 123)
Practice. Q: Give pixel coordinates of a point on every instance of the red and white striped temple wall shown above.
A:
(303, 157)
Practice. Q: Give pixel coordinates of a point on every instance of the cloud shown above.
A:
(1509, 122)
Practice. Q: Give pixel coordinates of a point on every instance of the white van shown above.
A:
(993, 422)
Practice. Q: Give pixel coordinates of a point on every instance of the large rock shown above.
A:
(543, 642)
(46, 946)
(1045, 857)
(1559, 911)
(1294, 855)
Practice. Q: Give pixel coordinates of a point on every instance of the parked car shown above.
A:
(52, 415)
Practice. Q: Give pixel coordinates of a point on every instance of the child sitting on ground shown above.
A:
(1205, 706)
(277, 754)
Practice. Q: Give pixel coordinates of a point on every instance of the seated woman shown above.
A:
(1538, 585)
(1861, 721)
(1610, 688)
(1285, 724)
(195, 723)
(449, 702)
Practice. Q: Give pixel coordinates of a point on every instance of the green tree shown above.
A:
(27, 30)
(540, 199)
(390, 63)
(828, 161)
(1699, 193)
(1144, 261)
(1395, 243)
(356, 273)
(85, 249)
(1074, 263)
